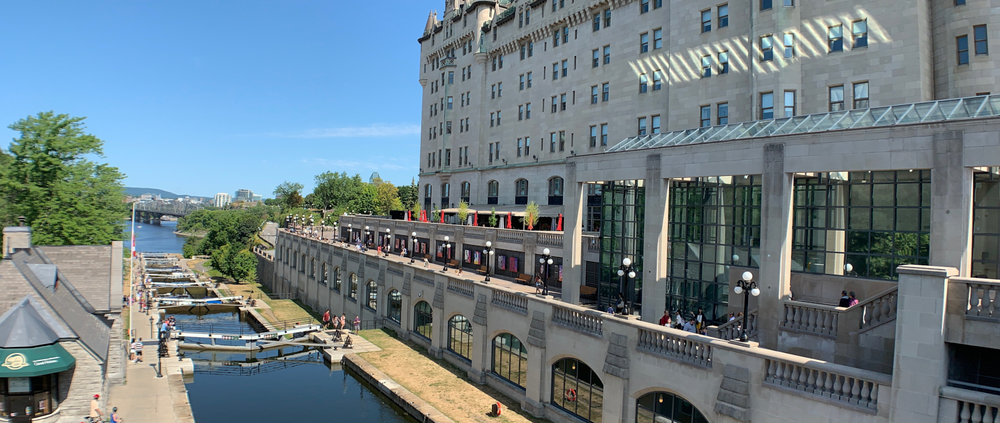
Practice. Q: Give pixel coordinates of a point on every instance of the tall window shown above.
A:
(706, 116)
(765, 4)
(607, 54)
(605, 91)
(565, 68)
(337, 278)
(521, 188)
(767, 106)
(837, 98)
(324, 276)
(861, 224)
(642, 126)
(492, 192)
(643, 83)
(706, 20)
(395, 306)
(979, 31)
(552, 142)
(706, 66)
(460, 336)
(657, 80)
(766, 48)
(666, 407)
(593, 94)
(835, 38)
(860, 31)
(577, 389)
(656, 125)
(510, 359)
(593, 136)
(555, 191)
(861, 95)
(657, 39)
(963, 49)
(353, 292)
(596, 61)
(723, 16)
(597, 22)
(423, 319)
(789, 103)
(371, 295)
(644, 6)
(604, 134)
(607, 18)
(723, 62)
(466, 191)
(722, 114)
(986, 231)
(519, 147)
(643, 42)
(789, 42)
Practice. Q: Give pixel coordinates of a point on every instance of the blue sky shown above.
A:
(199, 97)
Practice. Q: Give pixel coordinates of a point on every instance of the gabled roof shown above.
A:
(90, 266)
(28, 324)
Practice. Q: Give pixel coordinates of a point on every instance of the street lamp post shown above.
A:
(546, 262)
(627, 269)
(413, 237)
(366, 234)
(388, 241)
(350, 233)
(488, 255)
(747, 287)
(447, 247)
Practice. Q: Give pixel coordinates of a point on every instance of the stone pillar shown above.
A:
(538, 378)
(951, 204)
(920, 366)
(656, 244)
(775, 252)
(439, 334)
(573, 203)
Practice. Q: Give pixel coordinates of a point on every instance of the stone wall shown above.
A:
(78, 385)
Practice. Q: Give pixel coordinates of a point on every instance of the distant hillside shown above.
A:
(135, 192)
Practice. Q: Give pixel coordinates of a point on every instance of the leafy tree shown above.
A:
(220, 259)
(408, 195)
(47, 178)
(493, 217)
(289, 193)
(242, 266)
(387, 198)
(310, 200)
(531, 215)
(191, 246)
(336, 189)
(366, 201)
(463, 212)
(435, 214)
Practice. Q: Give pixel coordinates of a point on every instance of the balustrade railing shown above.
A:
(579, 320)
(593, 243)
(878, 310)
(510, 301)
(983, 300)
(965, 406)
(813, 318)
(679, 345)
(734, 328)
(551, 240)
(461, 287)
(840, 384)
(511, 236)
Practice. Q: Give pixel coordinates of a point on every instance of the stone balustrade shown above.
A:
(818, 319)
(462, 287)
(878, 310)
(511, 301)
(510, 236)
(964, 406)
(733, 328)
(983, 300)
(550, 239)
(592, 242)
(676, 344)
(590, 322)
(833, 382)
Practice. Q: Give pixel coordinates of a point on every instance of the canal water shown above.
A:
(291, 384)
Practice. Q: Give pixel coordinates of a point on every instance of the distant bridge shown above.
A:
(152, 211)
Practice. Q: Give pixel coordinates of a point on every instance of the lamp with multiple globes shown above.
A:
(747, 287)
(488, 255)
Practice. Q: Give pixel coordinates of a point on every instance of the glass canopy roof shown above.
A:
(929, 111)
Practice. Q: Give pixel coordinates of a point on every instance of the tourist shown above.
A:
(131, 350)
(378, 252)
(845, 301)
(700, 319)
(678, 320)
(427, 264)
(96, 415)
(610, 310)
(854, 300)
(115, 418)
(402, 253)
(138, 350)
(665, 320)
(538, 284)
(732, 317)
(620, 304)
(689, 327)
(164, 329)
(343, 321)
(459, 271)
(357, 323)
(326, 319)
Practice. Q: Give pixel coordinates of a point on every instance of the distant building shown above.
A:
(146, 197)
(222, 199)
(243, 195)
(375, 177)
(257, 198)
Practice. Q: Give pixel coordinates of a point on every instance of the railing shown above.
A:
(983, 300)
(461, 287)
(510, 301)
(552, 240)
(677, 345)
(964, 406)
(841, 384)
(587, 322)
(879, 310)
(593, 243)
(733, 328)
(511, 236)
(813, 318)
(475, 233)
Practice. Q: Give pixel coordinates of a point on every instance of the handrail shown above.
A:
(972, 406)
(983, 298)
(819, 319)
(842, 384)
(878, 310)
(587, 321)
(732, 329)
(676, 344)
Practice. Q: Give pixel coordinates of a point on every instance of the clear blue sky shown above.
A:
(199, 97)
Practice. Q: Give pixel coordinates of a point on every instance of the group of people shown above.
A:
(696, 324)
(847, 300)
(135, 351)
(339, 323)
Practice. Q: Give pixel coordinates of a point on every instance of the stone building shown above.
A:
(60, 331)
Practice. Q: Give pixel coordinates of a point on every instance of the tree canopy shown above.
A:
(46, 177)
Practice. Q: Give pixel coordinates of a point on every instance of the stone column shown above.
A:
(775, 251)
(656, 244)
(920, 366)
(573, 203)
(951, 204)
(538, 377)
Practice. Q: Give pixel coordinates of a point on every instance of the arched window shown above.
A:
(325, 275)
(666, 407)
(521, 191)
(577, 389)
(336, 279)
(492, 192)
(423, 319)
(302, 263)
(466, 192)
(312, 268)
(395, 306)
(510, 359)
(555, 191)
(353, 291)
(371, 293)
(445, 193)
(460, 336)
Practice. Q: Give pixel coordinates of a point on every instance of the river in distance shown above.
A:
(151, 238)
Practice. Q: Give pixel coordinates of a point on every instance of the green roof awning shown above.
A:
(37, 361)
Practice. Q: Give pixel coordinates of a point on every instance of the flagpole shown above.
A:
(131, 277)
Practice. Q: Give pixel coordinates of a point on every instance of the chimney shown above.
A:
(16, 237)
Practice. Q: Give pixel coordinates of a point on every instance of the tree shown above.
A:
(366, 201)
(386, 198)
(531, 215)
(220, 259)
(242, 266)
(47, 178)
(336, 189)
(289, 193)
(408, 195)
(435, 214)
(463, 212)
(493, 217)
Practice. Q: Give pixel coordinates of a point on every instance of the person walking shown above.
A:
(96, 415)
(343, 321)
(138, 350)
(845, 301)
(853, 300)
(115, 418)
(131, 350)
(326, 319)
(357, 323)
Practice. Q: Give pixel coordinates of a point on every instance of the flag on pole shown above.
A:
(133, 230)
